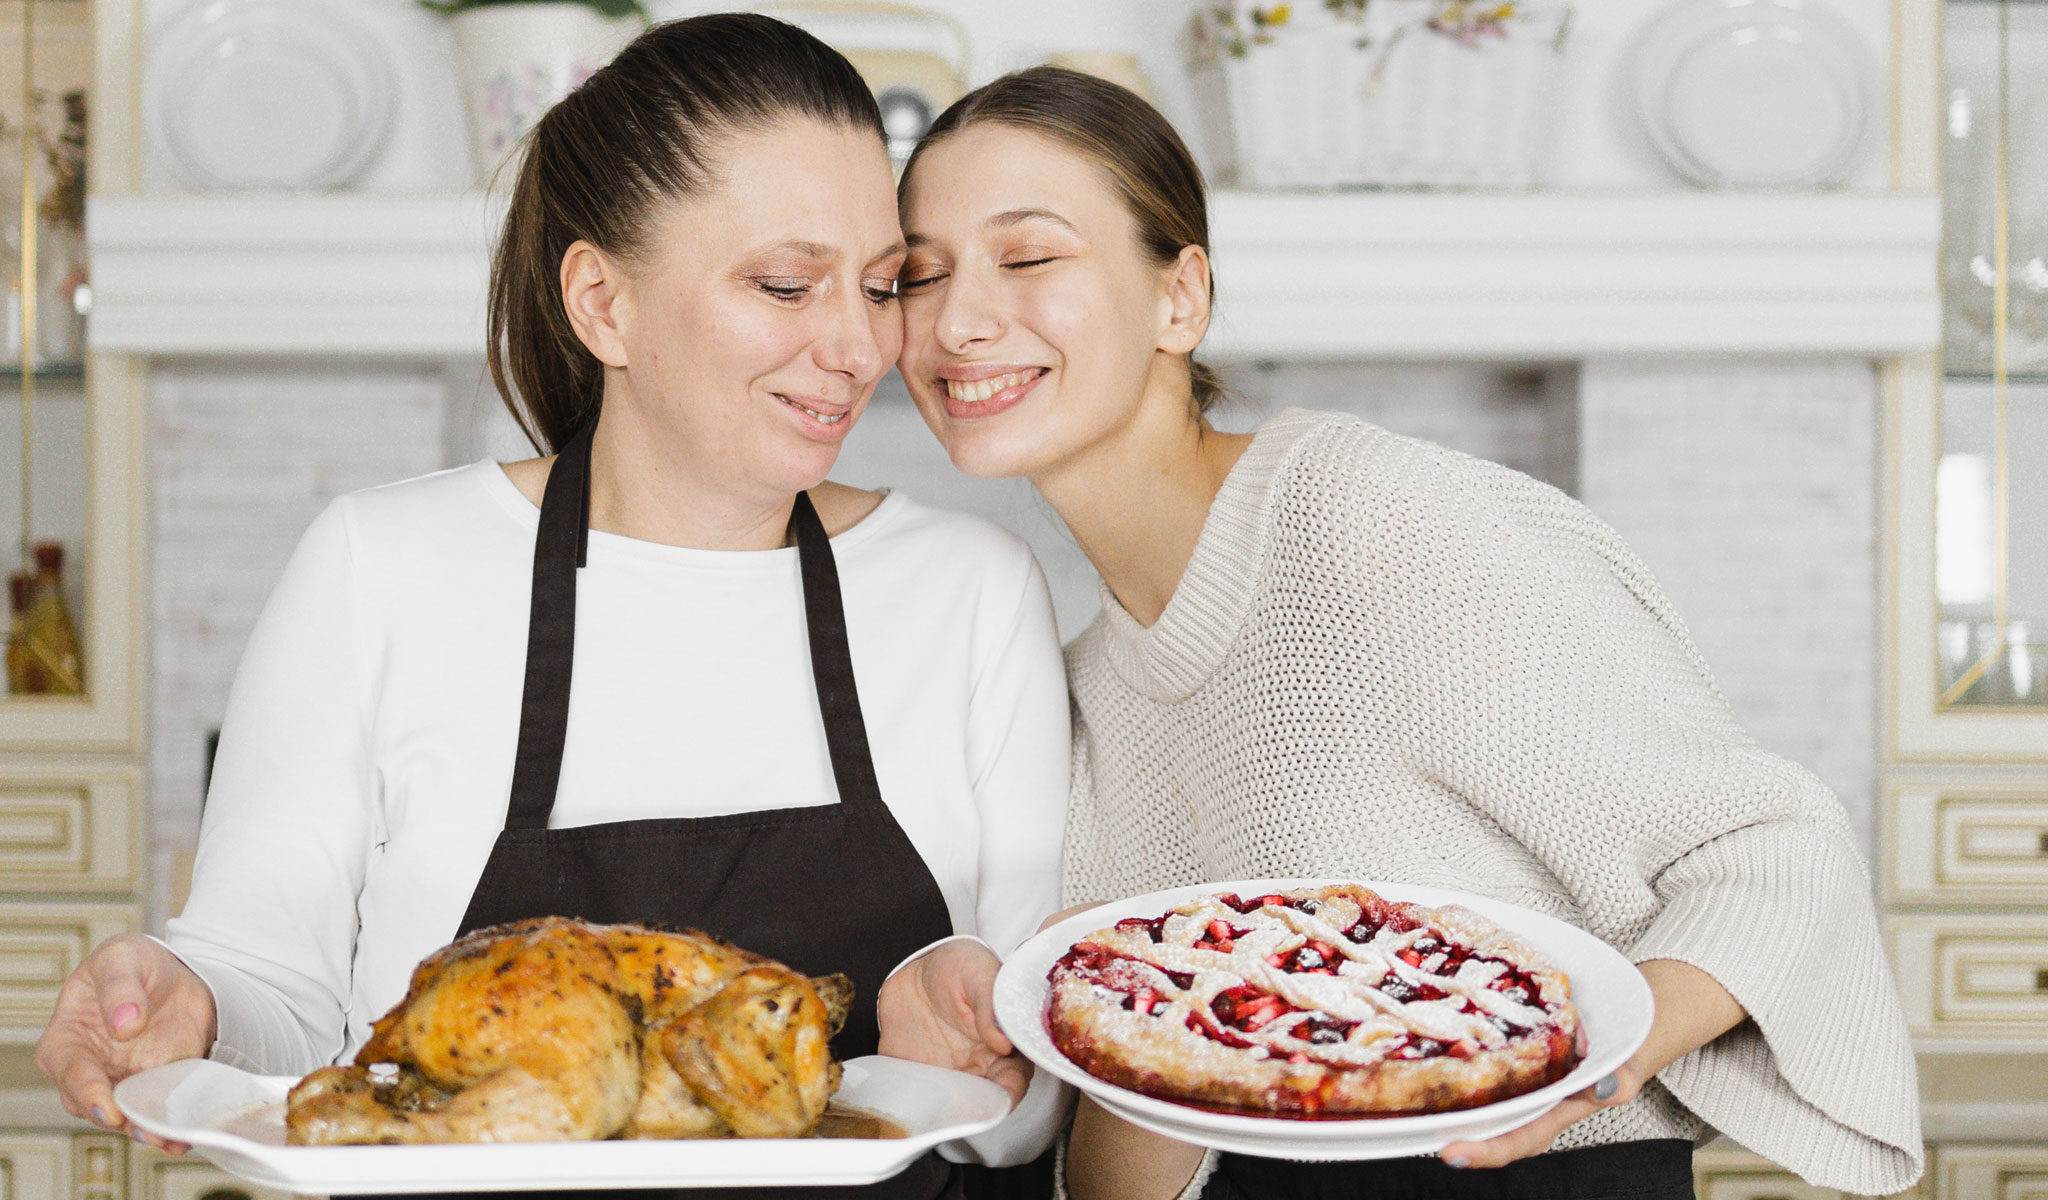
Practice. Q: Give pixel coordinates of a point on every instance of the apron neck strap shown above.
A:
(561, 546)
(846, 731)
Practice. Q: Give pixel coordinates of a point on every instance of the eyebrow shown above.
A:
(818, 250)
(1017, 216)
(1004, 220)
(797, 246)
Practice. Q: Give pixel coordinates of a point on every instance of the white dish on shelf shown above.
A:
(1755, 93)
(1614, 1004)
(280, 94)
(236, 1120)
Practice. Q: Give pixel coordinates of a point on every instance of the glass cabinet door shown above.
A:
(70, 451)
(1991, 481)
(1969, 441)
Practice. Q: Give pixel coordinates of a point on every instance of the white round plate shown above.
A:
(289, 94)
(1755, 93)
(1614, 1005)
(236, 1121)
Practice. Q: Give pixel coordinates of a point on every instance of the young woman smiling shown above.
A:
(825, 724)
(1327, 650)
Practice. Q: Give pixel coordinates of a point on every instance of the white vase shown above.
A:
(517, 60)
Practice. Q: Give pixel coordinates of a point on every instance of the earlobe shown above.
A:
(1187, 301)
(593, 297)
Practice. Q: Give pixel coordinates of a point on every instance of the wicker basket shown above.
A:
(1375, 94)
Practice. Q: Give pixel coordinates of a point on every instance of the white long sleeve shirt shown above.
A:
(366, 755)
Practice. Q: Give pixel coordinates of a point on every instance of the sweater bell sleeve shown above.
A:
(1779, 914)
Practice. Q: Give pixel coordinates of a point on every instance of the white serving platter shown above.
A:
(236, 1120)
(1614, 1002)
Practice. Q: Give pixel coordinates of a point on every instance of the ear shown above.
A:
(1186, 302)
(593, 294)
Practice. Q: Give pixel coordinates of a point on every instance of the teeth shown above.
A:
(980, 390)
(814, 414)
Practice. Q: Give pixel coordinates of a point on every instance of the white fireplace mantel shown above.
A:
(1459, 276)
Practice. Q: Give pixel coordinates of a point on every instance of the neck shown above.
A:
(1135, 501)
(641, 487)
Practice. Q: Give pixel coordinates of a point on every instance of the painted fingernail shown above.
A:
(99, 1117)
(1458, 1161)
(1605, 1089)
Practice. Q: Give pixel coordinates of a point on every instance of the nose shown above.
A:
(850, 344)
(968, 314)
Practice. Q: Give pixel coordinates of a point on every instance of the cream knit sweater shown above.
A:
(1390, 661)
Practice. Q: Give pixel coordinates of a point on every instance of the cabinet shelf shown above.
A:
(68, 372)
(1535, 276)
(2028, 380)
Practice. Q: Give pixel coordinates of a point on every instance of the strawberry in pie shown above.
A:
(1328, 1001)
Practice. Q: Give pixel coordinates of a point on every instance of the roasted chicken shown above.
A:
(555, 1030)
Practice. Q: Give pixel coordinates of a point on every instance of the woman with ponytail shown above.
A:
(826, 724)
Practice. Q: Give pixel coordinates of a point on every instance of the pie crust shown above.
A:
(1316, 1002)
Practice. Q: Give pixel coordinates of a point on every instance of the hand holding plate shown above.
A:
(941, 1010)
(129, 1006)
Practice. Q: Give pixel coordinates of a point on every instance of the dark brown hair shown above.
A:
(1116, 129)
(640, 133)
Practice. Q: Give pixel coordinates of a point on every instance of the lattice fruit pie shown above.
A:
(1329, 1001)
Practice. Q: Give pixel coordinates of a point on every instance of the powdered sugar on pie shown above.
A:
(1329, 1001)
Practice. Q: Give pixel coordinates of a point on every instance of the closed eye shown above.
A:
(1031, 262)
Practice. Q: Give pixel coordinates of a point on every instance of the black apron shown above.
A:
(874, 902)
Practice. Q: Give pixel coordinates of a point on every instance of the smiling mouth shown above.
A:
(812, 413)
(976, 391)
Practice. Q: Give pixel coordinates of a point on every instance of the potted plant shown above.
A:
(1386, 92)
(518, 57)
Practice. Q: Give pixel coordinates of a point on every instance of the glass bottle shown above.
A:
(51, 641)
(19, 671)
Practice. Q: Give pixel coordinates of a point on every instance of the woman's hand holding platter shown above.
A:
(129, 1006)
(1692, 1010)
(940, 1009)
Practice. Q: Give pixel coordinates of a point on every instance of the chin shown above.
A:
(805, 469)
(989, 454)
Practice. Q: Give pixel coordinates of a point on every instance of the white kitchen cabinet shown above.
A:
(1723, 1170)
(158, 1176)
(2010, 1171)
(34, 1166)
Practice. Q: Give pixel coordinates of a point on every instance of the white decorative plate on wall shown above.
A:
(1755, 93)
(288, 94)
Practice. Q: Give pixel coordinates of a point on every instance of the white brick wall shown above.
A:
(1750, 489)
(1522, 418)
(241, 461)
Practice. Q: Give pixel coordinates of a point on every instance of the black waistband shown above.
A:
(1658, 1169)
